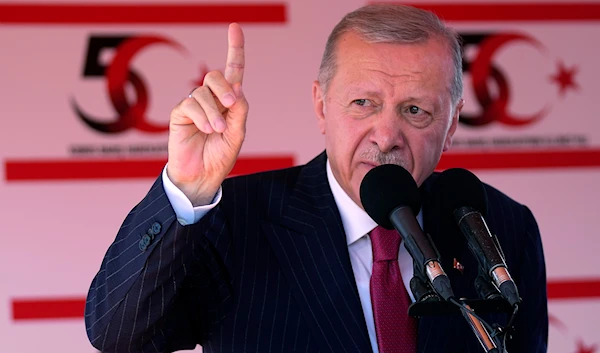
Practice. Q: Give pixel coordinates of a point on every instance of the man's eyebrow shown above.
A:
(361, 91)
(423, 98)
(416, 99)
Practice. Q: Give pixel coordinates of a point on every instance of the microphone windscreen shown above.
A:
(457, 187)
(385, 188)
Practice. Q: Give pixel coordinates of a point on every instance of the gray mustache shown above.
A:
(383, 158)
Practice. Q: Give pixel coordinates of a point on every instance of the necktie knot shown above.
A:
(386, 244)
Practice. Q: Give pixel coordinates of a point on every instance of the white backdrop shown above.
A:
(66, 186)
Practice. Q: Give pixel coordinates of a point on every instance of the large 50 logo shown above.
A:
(482, 70)
(118, 74)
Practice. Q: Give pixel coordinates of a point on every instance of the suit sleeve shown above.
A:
(146, 294)
(531, 323)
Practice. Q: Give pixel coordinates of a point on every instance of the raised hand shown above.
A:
(207, 129)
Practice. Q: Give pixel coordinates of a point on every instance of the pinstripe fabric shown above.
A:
(267, 270)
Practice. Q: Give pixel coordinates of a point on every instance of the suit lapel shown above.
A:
(310, 244)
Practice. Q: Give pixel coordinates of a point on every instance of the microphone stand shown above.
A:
(480, 331)
(429, 303)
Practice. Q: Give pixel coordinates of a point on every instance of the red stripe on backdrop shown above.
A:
(37, 309)
(521, 159)
(141, 13)
(532, 12)
(72, 169)
(573, 289)
(29, 309)
(36, 170)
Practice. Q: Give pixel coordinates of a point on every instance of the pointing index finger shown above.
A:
(234, 69)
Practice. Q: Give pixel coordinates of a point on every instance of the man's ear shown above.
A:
(319, 105)
(453, 125)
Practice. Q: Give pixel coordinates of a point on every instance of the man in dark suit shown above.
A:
(281, 261)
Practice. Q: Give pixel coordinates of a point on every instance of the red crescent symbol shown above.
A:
(117, 75)
(481, 70)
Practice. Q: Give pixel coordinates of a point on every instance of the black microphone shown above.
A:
(390, 196)
(462, 194)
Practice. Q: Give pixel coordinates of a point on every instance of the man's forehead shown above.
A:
(353, 46)
(395, 61)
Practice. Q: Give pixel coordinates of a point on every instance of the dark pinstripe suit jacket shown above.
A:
(268, 270)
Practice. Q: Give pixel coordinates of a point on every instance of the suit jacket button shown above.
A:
(155, 228)
(144, 242)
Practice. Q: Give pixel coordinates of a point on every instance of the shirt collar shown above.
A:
(355, 220)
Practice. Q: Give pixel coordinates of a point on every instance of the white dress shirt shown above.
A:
(184, 210)
(357, 225)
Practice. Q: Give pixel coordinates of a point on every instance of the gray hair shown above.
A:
(387, 23)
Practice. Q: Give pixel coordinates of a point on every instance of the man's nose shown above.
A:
(387, 132)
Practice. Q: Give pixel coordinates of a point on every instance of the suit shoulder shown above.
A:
(494, 195)
(257, 187)
(501, 205)
(254, 180)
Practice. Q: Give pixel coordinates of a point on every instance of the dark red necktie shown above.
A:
(396, 331)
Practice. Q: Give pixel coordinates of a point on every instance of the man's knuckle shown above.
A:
(212, 76)
(186, 104)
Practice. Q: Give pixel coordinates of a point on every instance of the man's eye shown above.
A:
(416, 116)
(362, 102)
(413, 109)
